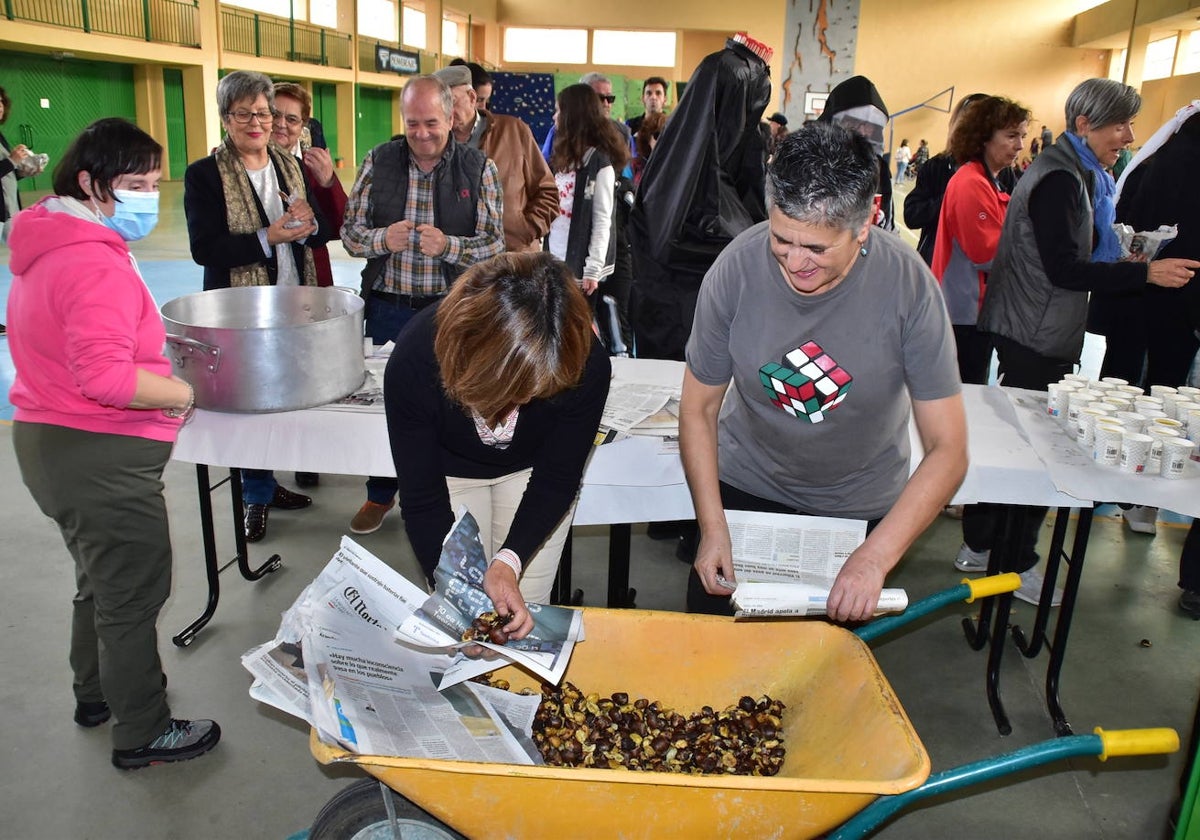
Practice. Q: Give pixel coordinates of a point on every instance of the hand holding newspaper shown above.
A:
(335, 663)
(459, 598)
(786, 565)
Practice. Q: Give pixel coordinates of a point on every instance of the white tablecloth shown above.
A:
(632, 480)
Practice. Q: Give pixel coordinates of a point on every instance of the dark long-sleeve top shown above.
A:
(1055, 209)
(433, 437)
(212, 244)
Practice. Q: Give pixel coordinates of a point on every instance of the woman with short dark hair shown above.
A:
(97, 412)
(493, 398)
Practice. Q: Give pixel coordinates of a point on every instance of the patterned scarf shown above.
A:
(1104, 210)
(242, 210)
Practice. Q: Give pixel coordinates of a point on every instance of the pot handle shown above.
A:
(182, 348)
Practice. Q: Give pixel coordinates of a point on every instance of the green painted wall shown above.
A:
(76, 94)
(324, 109)
(176, 122)
(373, 119)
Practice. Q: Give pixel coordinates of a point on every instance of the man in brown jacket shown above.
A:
(530, 196)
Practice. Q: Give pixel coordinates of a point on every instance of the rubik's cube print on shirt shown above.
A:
(807, 383)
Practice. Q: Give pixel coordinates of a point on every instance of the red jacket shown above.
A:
(968, 228)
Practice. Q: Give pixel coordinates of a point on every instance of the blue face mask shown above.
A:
(134, 215)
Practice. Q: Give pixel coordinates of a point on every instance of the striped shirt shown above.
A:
(410, 272)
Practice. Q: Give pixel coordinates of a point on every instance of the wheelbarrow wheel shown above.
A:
(359, 812)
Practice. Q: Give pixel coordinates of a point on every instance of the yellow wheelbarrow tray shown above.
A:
(848, 739)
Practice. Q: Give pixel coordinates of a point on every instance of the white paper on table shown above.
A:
(1074, 472)
(631, 403)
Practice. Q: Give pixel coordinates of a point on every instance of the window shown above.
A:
(546, 46)
(638, 49)
(1190, 60)
(323, 13)
(454, 40)
(414, 28)
(1160, 58)
(377, 19)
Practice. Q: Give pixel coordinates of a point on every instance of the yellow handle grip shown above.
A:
(985, 587)
(1137, 741)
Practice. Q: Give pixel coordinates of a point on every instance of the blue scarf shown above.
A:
(1104, 210)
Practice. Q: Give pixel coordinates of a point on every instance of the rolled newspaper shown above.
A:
(761, 599)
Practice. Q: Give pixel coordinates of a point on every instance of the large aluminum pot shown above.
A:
(267, 348)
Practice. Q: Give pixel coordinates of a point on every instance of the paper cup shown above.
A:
(1103, 406)
(1175, 456)
(1106, 444)
(1193, 424)
(1157, 435)
(1188, 391)
(1132, 420)
(1076, 402)
(1113, 380)
(1183, 413)
(1135, 449)
(1130, 391)
(1166, 423)
(1056, 399)
(1075, 377)
(1118, 401)
(1161, 390)
(1085, 428)
(1144, 404)
(1171, 403)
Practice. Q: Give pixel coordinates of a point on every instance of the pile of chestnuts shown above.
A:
(487, 627)
(572, 729)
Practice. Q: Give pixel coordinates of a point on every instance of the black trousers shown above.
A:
(732, 498)
(1021, 367)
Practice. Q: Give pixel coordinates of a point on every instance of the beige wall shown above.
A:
(1161, 98)
(1020, 50)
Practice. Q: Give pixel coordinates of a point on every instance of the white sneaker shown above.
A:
(1031, 589)
(1141, 519)
(971, 561)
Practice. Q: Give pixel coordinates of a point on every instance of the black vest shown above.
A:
(455, 197)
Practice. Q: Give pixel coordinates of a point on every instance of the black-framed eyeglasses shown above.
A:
(244, 117)
(290, 119)
(608, 97)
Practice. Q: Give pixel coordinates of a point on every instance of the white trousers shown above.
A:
(493, 502)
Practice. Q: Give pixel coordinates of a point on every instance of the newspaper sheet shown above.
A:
(631, 403)
(786, 564)
(335, 662)
(1074, 472)
(368, 398)
(459, 598)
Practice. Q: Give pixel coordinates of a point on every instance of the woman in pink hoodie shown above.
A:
(97, 412)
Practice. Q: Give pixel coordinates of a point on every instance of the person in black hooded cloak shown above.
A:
(703, 186)
(856, 104)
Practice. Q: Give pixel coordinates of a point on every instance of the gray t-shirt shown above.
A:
(817, 413)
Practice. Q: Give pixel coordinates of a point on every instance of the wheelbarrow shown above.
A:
(851, 749)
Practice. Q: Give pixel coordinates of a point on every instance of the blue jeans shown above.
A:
(384, 321)
(258, 487)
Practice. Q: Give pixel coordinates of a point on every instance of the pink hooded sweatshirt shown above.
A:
(80, 324)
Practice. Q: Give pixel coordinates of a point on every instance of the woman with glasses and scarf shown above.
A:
(252, 222)
(1057, 246)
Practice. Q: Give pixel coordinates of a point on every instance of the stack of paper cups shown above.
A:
(1157, 435)
(1106, 443)
(1135, 449)
(1175, 455)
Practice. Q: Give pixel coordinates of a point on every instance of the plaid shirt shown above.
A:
(410, 272)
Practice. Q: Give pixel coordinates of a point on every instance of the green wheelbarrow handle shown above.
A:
(1102, 744)
(969, 590)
